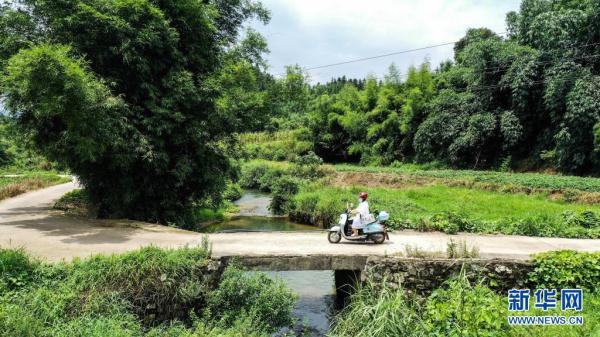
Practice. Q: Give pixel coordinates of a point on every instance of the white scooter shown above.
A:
(375, 231)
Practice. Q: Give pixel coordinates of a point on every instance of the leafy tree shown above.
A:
(575, 140)
(290, 96)
(530, 97)
(243, 85)
(337, 124)
(129, 106)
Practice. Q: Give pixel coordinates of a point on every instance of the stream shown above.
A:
(315, 288)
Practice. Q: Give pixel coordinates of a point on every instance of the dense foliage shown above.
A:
(150, 292)
(132, 95)
(461, 308)
(561, 269)
(527, 100)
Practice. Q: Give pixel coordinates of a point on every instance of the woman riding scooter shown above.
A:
(365, 227)
(361, 213)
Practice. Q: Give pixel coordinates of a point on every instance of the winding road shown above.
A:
(28, 221)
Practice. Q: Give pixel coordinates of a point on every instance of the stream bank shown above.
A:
(316, 303)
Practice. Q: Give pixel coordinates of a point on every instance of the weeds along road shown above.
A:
(28, 221)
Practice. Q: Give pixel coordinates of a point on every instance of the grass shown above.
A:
(451, 209)
(11, 186)
(436, 205)
(459, 308)
(148, 292)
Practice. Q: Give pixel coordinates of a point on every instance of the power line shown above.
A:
(563, 60)
(506, 65)
(380, 56)
(398, 53)
(496, 68)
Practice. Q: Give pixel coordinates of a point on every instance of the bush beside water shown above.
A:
(149, 292)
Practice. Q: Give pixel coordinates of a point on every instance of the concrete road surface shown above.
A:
(27, 221)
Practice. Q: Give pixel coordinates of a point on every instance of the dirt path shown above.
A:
(27, 221)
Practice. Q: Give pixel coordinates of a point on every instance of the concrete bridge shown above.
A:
(420, 274)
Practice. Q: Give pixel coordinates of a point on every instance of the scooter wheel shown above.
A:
(378, 238)
(334, 237)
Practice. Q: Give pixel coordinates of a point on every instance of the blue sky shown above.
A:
(316, 32)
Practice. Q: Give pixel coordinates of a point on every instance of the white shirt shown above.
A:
(363, 210)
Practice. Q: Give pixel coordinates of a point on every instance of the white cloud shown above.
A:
(316, 32)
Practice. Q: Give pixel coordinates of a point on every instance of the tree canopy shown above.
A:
(126, 93)
(528, 99)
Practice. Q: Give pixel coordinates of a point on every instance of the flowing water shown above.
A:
(316, 288)
(255, 224)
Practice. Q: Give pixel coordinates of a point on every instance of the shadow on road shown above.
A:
(74, 230)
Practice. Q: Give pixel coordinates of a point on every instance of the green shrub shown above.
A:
(267, 302)
(17, 269)
(233, 192)
(566, 269)
(466, 310)
(150, 292)
(156, 283)
(587, 219)
(204, 215)
(261, 175)
(283, 192)
(446, 222)
(75, 202)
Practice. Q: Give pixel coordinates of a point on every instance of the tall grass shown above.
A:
(149, 292)
(453, 209)
(379, 311)
(459, 308)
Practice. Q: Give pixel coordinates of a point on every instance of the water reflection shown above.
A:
(255, 224)
(254, 203)
(316, 303)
